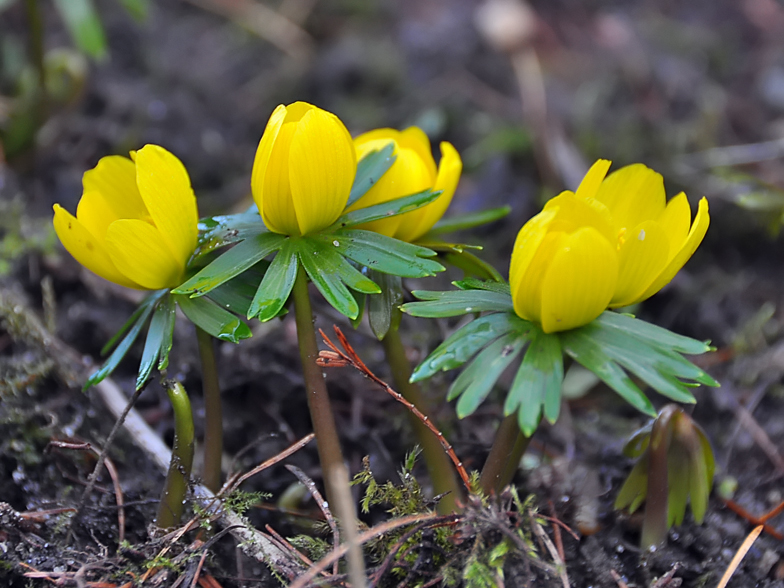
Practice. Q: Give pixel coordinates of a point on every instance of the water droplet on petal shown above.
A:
(641, 236)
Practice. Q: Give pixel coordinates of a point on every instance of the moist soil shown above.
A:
(657, 82)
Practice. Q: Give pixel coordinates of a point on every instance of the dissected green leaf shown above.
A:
(84, 25)
(468, 221)
(383, 312)
(237, 294)
(536, 388)
(331, 274)
(218, 231)
(634, 489)
(456, 303)
(678, 486)
(213, 319)
(275, 288)
(159, 337)
(385, 209)
(138, 9)
(383, 254)
(501, 286)
(121, 350)
(656, 336)
(579, 345)
(475, 382)
(232, 263)
(151, 300)
(369, 170)
(467, 341)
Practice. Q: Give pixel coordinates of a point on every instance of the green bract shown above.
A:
(613, 346)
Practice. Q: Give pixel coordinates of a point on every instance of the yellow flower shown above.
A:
(612, 243)
(414, 170)
(136, 223)
(304, 168)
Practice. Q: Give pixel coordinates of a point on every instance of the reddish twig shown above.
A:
(758, 521)
(556, 531)
(348, 357)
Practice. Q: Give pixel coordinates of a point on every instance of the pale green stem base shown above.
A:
(213, 412)
(176, 487)
(439, 466)
(330, 454)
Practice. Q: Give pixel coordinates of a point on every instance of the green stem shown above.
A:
(36, 28)
(330, 455)
(174, 491)
(441, 470)
(654, 525)
(508, 448)
(213, 412)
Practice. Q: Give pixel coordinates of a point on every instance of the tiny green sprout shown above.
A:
(675, 465)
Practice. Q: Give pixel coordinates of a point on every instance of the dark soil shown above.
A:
(648, 81)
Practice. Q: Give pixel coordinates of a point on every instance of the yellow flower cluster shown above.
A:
(612, 243)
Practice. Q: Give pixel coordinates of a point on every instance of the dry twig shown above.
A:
(739, 555)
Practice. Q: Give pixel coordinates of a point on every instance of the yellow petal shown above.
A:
(675, 220)
(86, 249)
(166, 190)
(137, 249)
(278, 213)
(322, 165)
(415, 139)
(642, 257)
(422, 220)
(633, 194)
(579, 282)
(374, 140)
(593, 179)
(526, 245)
(527, 292)
(96, 214)
(575, 213)
(696, 234)
(261, 196)
(115, 179)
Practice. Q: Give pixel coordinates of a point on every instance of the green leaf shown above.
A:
(468, 221)
(537, 385)
(218, 231)
(591, 355)
(232, 263)
(383, 310)
(122, 349)
(464, 343)
(275, 288)
(385, 209)
(151, 300)
(499, 286)
(84, 25)
(473, 265)
(331, 273)
(237, 294)
(383, 254)
(655, 336)
(456, 303)
(635, 488)
(655, 369)
(138, 9)
(213, 319)
(158, 336)
(168, 332)
(475, 382)
(369, 170)
(678, 482)
(701, 476)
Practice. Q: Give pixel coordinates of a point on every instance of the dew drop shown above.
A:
(336, 243)
(641, 236)
(469, 309)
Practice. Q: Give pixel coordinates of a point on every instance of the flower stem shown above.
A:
(508, 447)
(330, 455)
(439, 467)
(213, 412)
(173, 496)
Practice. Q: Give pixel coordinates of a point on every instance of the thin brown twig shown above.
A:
(556, 531)
(113, 474)
(322, 504)
(236, 480)
(762, 521)
(560, 565)
(322, 565)
(282, 540)
(348, 357)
